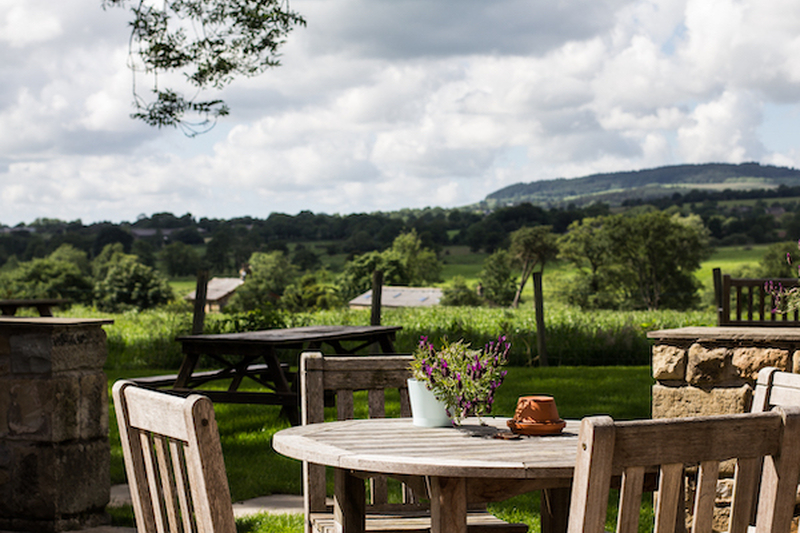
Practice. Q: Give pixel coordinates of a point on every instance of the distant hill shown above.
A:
(616, 187)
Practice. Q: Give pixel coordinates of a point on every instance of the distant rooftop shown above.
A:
(401, 297)
(218, 289)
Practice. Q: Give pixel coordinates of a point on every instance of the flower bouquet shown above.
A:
(463, 378)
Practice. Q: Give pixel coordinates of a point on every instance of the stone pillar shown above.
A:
(54, 450)
(703, 371)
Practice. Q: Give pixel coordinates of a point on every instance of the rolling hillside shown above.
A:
(614, 188)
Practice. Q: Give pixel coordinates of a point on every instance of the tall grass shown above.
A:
(147, 339)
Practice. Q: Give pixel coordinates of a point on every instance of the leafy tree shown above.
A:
(304, 258)
(232, 38)
(356, 277)
(145, 251)
(661, 254)
(459, 293)
(187, 236)
(531, 247)
(498, 282)
(47, 278)
(180, 259)
(270, 274)
(649, 258)
(128, 284)
(70, 254)
(218, 250)
(774, 263)
(421, 264)
(405, 263)
(587, 246)
(102, 262)
(110, 235)
(312, 292)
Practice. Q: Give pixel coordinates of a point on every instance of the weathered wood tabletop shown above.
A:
(461, 464)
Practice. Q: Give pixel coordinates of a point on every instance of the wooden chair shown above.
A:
(774, 387)
(174, 461)
(343, 376)
(607, 448)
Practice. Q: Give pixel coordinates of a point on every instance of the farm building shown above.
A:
(400, 297)
(218, 293)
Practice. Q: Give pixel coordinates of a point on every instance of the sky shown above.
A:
(381, 105)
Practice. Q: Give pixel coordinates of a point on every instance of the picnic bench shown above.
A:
(746, 301)
(253, 355)
(43, 305)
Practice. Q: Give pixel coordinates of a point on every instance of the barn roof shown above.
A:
(401, 297)
(218, 288)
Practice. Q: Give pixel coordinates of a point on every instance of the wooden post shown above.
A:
(538, 299)
(377, 290)
(377, 296)
(200, 293)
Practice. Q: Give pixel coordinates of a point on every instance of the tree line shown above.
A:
(642, 257)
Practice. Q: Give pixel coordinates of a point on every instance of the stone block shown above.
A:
(93, 412)
(749, 360)
(710, 365)
(674, 402)
(30, 353)
(796, 362)
(669, 362)
(50, 481)
(45, 410)
(75, 348)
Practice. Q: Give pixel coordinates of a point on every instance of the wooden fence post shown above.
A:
(377, 294)
(200, 293)
(538, 299)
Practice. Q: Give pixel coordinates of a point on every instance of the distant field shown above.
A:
(765, 201)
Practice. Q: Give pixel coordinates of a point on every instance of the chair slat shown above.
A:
(154, 485)
(745, 481)
(705, 498)
(670, 485)
(630, 500)
(181, 485)
(161, 447)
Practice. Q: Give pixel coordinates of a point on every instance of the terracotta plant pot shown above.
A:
(536, 415)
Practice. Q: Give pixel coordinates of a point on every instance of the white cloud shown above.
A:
(382, 105)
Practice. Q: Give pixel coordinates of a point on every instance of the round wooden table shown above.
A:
(461, 465)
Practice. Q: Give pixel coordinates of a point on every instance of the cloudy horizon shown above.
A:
(382, 105)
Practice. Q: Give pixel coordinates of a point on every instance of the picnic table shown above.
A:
(254, 355)
(43, 305)
(460, 464)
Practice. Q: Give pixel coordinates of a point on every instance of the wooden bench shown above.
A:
(746, 302)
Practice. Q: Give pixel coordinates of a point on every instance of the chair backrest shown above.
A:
(322, 375)
(774, 387)
(174, 462)
(607, 448)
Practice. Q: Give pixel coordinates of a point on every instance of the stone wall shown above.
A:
(54, 450)
(711, 371)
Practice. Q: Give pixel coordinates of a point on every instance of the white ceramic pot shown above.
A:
(426, 409)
